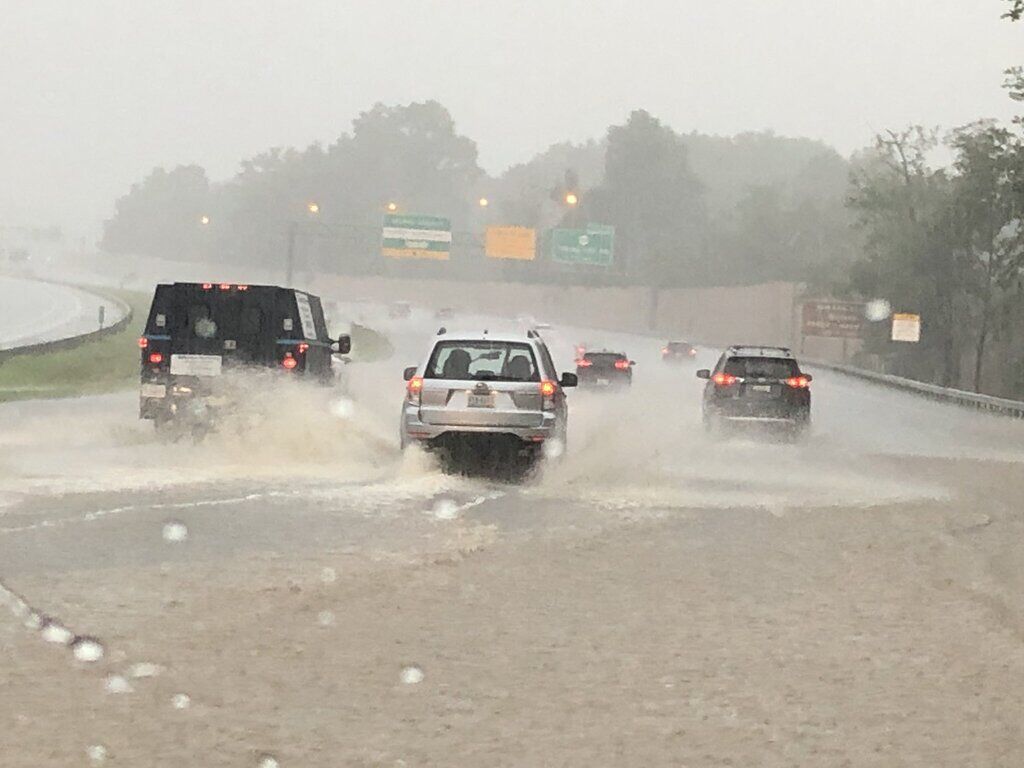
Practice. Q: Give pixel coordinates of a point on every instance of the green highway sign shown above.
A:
(593, 245)
(412, 236)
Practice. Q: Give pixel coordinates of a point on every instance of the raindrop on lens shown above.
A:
(326, 618)
(877, 309)
(343, 408)
(553, 449)
(181, 701)
(87, 649)
(144, 669)
(54, 632)
(116, 684)
(328, 575)
(175, 531)
(267, 761)
(412, 675)
(97, 753)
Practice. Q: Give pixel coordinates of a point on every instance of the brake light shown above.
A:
(207, 286)
(724, 379)
(693, 352)
(156, 358)
(243, 287)
(664, 350)
(798, 382)
(584, 363)
(414, 388)
(143, 342)
(547, 388)
(622, 364)
(303, 347)
(289, 362)
(225, 286)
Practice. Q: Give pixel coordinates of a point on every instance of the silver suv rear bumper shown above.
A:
(415, 429)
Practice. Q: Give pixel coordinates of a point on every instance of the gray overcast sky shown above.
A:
(95, 93)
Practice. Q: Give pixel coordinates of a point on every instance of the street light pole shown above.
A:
(293, 231)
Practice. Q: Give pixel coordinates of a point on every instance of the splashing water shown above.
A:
(54, 632)
(877, 310)
(412, 675)
(87, 649)
(445, 509)
(96, 753)
(175, 531)
(116, 684)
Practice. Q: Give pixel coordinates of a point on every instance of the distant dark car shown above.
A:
(198, 332)
(757, 386)
(678, 351)
(604, 369)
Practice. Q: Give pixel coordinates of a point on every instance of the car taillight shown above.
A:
(143, 342)
(692, 352)
(225, 286)
(798, 382)
(664, 350)
(622, 364)
(156, 358)
(207, 286)
(303, 347)
(584, 363)
(414, 388)
(289, 362)
(547, 392)
(724, 379)
(243, 287)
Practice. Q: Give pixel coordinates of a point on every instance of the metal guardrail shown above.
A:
(73, 341)
(1001, 405)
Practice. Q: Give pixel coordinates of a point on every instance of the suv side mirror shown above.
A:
(632, 363)
(409, 372)
(808, 377)
(569, 380)
(704, 373)
(343, 345)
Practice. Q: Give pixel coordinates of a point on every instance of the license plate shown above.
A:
(195, 365)
(481, 401)
(154, 390)
(761, 387)
(602, 382)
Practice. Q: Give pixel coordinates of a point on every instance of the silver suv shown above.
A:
(481, 389)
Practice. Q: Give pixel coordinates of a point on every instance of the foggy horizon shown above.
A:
(194, 85)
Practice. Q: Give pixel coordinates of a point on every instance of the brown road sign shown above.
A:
(835, 319)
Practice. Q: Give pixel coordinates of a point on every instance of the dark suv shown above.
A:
(198, 332)
(603, 369)
(757, 385)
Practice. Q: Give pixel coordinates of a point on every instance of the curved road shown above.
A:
(32, 311)
(654, 598)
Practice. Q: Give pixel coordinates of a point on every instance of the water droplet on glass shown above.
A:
(412, 675)
(87, 649)
(55, 632)
(144, 669)
(181, 701)
(877, 309)
(117, 684)
(326, 618)
(267, 761)
(175, 531)
(97, 753)
(445, 509)
(328, 575)
(33, 621)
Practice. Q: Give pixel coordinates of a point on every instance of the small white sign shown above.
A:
(154, 390)
(306, 326)
(906, 327)
(195, 365)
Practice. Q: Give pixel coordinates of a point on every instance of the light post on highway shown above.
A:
(293, 232)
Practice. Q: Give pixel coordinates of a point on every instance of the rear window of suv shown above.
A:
(761, 367)
(604, 358)
(482, 361)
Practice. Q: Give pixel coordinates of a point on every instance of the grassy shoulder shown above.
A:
(104, 365)
(112, 362)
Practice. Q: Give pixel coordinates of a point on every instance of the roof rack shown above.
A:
(764, 350)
